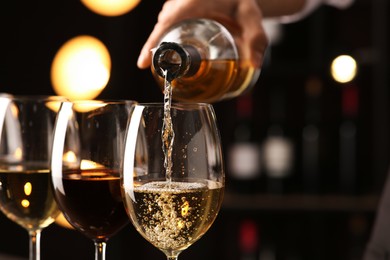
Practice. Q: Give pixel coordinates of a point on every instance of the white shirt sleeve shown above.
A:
(311, 5)
(272, 26)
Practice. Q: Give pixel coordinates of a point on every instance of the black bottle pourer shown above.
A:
(176, 60)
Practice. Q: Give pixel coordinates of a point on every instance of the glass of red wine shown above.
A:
(87, 151)
(26, 131)
(172, 178)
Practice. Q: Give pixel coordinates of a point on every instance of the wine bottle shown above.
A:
(311, 137)
(203, 62)
(278, 147)
(248, 240)
(348, 139)
(244, 165)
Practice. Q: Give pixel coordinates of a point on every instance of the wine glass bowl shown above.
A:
(172, 196)
(87, 152)
(26, 131)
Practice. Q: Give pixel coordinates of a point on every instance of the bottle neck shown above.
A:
(176, 60)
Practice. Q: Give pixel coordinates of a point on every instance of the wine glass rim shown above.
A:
(105, 101)
(34, 98)
(175, 104)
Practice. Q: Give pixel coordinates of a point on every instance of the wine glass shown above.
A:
(172, 179)
(26, 132)
(87, 151)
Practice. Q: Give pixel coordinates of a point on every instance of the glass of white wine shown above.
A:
(26, 132)
(172, 179)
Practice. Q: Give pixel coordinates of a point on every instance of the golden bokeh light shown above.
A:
(18, 153)
(70, 156)
(81, 68)
(25, 203)
(63, 222)
(55, 104)
(344, 68)
(87, 164)
(27, 188)
(91, 105)
(185, 208)
(111, 7)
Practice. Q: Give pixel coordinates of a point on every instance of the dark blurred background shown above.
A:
(320, 205)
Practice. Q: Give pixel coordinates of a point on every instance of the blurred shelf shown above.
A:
(10, 257)
(301, 202)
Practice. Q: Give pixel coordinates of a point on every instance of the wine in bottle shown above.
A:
(203, 62)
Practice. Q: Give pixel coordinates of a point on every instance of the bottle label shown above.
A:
(278, 156)
(244, 161)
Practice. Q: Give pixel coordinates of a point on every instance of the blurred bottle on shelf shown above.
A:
(248, 240)
(201, 59)
(278, 147)
(348, 139)
(244, 157)
(311, 136)
(358, 228)
(267, 253)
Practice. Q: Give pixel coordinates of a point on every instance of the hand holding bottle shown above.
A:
(246, 15)
(203, 62)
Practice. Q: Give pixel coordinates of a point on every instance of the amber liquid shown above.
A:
(173, 215)
(215, 80)
(26, 197)
(168, 134)
(91, 201)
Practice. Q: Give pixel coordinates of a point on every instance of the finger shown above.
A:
(163, 23)
(254, 39)
(172, 12)
(144, 59)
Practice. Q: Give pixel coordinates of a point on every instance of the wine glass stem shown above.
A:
(172, 258)
(35, 244)
(100, 250)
